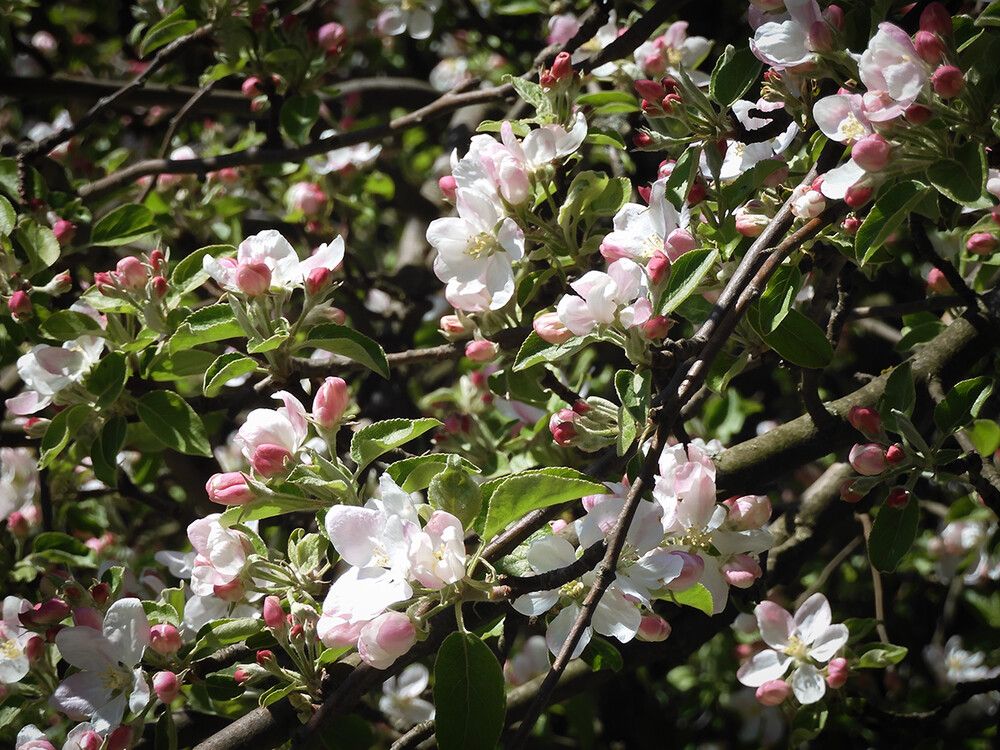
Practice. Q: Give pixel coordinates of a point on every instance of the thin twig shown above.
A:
(866, 526)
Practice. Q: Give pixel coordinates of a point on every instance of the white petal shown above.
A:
(763, 666)
(813, 617)
(828, 643)
(558, 632)
(775, 624)
(807, 684)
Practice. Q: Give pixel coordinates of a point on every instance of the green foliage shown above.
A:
(468, 694)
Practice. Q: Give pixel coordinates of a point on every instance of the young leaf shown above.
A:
(893, 532)
(64, 325)
(962, 404)
(8, 217)
(64, 426)
(189, 274)
(800, 341)
(468, 694)
(734, 73)
(962, 178)
(39, 244)
(415, 474)
(172, 420)
(123, 225)
(682, 177)
(509, 498)
(881, 655)
(777, 299)
(107, 380)
(225, 368)
(213, 323)
(372, 441)
(685, 275)
(105, 449)
(349, 343)
(890, 210)
(899, 394)
(174, 26)
(536, 350)
(298, 115)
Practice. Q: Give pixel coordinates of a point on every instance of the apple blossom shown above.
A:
(274, 251)
(415, 18)
(14, 638)
(436, 553)
(892, 65)
(836, 672)
(109, 676)
(800, 644)
(641, 231)
(401, 696)
(868, 459)
(165, 639)
(31, 737)
(785, 43)
(330, 402)
(274, 436)
(230, 488)
(604, 298)
(550, 329)
(385, 639)
(672, 50)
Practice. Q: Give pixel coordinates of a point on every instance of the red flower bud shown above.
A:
(948, 81)
(895, 455)
(253, 278)
(270, 460)
(19, 305)
(936, 19)
(898, 497)
(166, 686)
(865, 420)
(64, 231)
(929, 47)
(318, 279)
(562, 67)
(330, 403)
(981, 243)
(274, 615)
(230, 488)
(160, 286)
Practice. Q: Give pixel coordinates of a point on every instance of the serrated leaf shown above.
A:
(536, 350)
(889, 211)
(686, 273)
(63, 426)
(174, 423)
(962, 178)
(213, 323)
(735, 71)
(271, 506)
(682, 177)
(8, 217)
(123, 225)
(468, 694)
(698, 597)
(189, 273)
(226, 367)
(893, 532)
(509, 498)
(962, 404)
(778, 297)
(64, 325)
(415, 474)
(530, 92)
(107, 381)
(39, 244)
(349, 343)
(800, 341)
(584, 189)
(372, 441)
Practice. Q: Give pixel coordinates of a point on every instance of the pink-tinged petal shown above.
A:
(828, 643)
(355, 533)
(627, 275)
(558, 632)
(616, 616)
(813, 617)
(79, 695)
(837, 181)
(763, 666)
(540, 146)
(511, 238)
(127, 629)
(716, 584)
(109, 715)
(27, 403)
(140, 692)
(575, 315)
(296, 415)
(199, 531)
(395, 501)
(776, 625)
(807, 684)
(804, 12)
(328, 255)
(476, 208)
(590, 283)
(85, 649)
(499, 278)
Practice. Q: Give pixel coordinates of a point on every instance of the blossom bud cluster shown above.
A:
(589, 425)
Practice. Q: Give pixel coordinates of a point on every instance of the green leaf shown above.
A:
(892, 535)
(63, 426)
(177, 365)
(697, 597)
(633, 390)
(225, 368)
(615, 195)
(889, 212)
(912, 438)
(601, 654)
(686, 273)
(348, 343)
(584, 189)
(298, 115)
(530, 92)
(213, 323)
(536, 350)
(39, 244)
(104, 451)
(372, 441)
(778, 297)
(800, 341)
(682, 177)
(258, 346)
(963, 178)
(735, 71)
(415, 474)
(55, 540)
(468, 694)
(107, 380)
(123, 225)
(962, 404)
(899, 394)
(271, 506)
(8, 217)
(189, 274)
(881, 655)
(509, 498)
(174, 26)
(985, 436)
(64, 325)
(172, 420)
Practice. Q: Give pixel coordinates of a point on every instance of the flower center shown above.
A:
(480, 246)
(114, 679)
(573, 589)
(9, 649)
(701, 538)
(851, 128)
(796, 648)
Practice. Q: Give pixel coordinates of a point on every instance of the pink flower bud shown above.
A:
(558, 525)
(653, 629)
(656, 328)
(836, 672)
(274, 615)
(562, 428)
(929, 47)
(678, 242)
(865, 420)
(120, 738)
(308, 197)
(481, 351)
(160, 286)
(157, 261)
(690, 574)
(650, 90)
(251, 87)
(834, 16)
(550, 329)
(229, 592)
(872, 153)
(17, 524)
(132, 273)
(948, 81)
(19, 305)
(105, 283)
(898, 497)
(253, 278)
(642, 140)
(330, 403)
(917, 114)
(64, 231)
(562, 67)
(269, 460)
(166, 686)
(658, 266)
(749, 511)
(448, 187)
(773, 692)
(336, 315)
(851, 225)
(665, 169)
(751, 225)
(331, 36)
(230, 488)
(452, 325)
(88, 617)
(385, 639)
(868, 459)
(165, 639)
(936, 19)
(858, 195)
(318, 279)
(697, 193)
(36, 646)
(981, 243)
(937, 282)
(241, 676)
(807, 204)
(265, 658)
(820, 37)
(741, 571)
(895, 455)
(48, 612)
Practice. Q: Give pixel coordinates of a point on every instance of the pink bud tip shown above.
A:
(872, 153)
(270, 460)
(981, 243)
(448, 187)
(898, 497)
(653, 629)
(773, 692)
(658, 266)
(929, 47)
(230, 488)
(132, 273)
(19, 305)
(160, 286)
(948, 81)
(165, 639)
(481, 350)
(836, 672)
(331, 402)
(318, 279)
(253, 278)
(331, 36)
(936, 19)
(166, 686)
(865, 420)
(274, 615)
(895, 455)
(550, 329)
(64, 231)
(251, 87)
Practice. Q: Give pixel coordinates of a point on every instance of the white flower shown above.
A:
(13, 641)
(953, 664)
(800, 644)
(415, 17)
(640, 231)
(437, 552)
(18, 481)
(785, 44)
(285, 427)
(401, 696)
(109, 676)
(345, 159)
(602, 298)
(674, 49)
(891, 64)
(274, 251)
(220, 554)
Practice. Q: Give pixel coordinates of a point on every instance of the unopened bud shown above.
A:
(251, 87)
(656, 328)
(330, 403)
(936, 19)
(981, 243)
(820, 38)
(653, 629)
(650, 90)
(132, 273)
(265, 658)
(229, 592)
(157, 261)
(562, 67)
(865, 420)
(253, 278)
(836, 672)
(165, 639)
(274, 615)
(269, 460)
(929, 47)
(101, 592)
(642, 140)
(331, 36)
(917, 114)
(229, 488)
(658, 266)
(64, 231)
(872, 153)
(895, 455)
(857, 196)
(773, 692)
(851, 225)
(160, 286)
(948, 81)
(749, 511)
(481, 350)
(741, 571)
(868, 459)
(19, 305)
(166, 686)
(48, 612)
(241, 676)
(88, 617)
(385, 639)
(898, 497)
(448, 187)
(937, 282)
